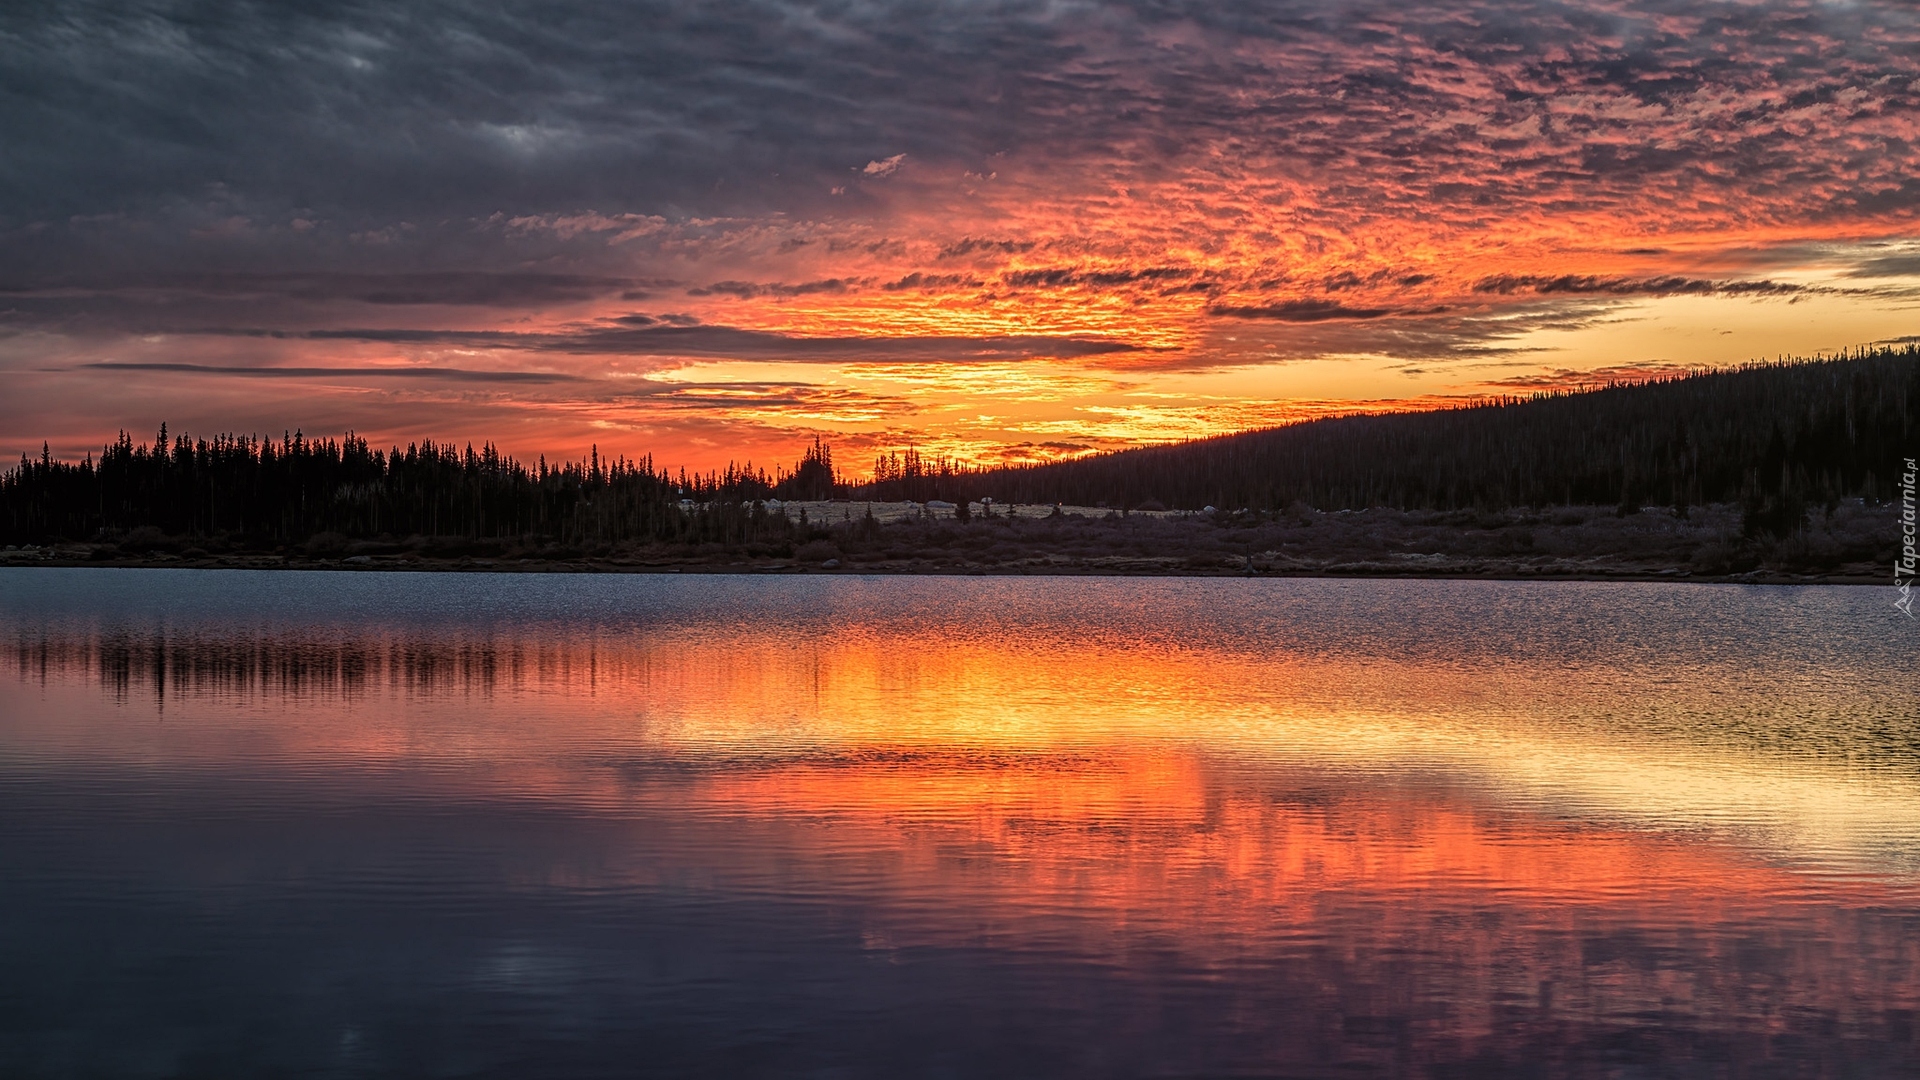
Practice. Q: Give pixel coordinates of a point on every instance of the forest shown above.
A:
(1776, 440)
(257, 493)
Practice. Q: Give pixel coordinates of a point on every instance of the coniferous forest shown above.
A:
(1777, 438)
(1780, 442)
(264, 492)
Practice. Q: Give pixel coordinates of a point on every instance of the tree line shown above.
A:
(1777, 438)
(267, 492)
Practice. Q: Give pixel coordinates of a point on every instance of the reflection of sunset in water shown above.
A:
(1284, 868)
(948, 716)
(1391, 844)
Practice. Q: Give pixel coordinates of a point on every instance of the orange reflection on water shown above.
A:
(1167, 782)
(976, 717)
(1383, 885)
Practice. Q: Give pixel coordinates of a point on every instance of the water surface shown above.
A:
(513, 825)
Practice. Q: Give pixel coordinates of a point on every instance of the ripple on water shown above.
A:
(578, 825)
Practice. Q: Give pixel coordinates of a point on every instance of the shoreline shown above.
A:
(1848, 543)
(1117, 568)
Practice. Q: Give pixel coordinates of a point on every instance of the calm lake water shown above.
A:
(528, 825)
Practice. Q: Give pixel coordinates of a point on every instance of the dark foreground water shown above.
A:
(413, 825)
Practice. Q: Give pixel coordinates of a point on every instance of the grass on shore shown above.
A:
(1852, 542)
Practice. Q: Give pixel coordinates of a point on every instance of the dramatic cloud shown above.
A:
(1168, 186)
(349, 374)
(1592, 285)
(1888, 266)
(1302, 311)
(734, 343)
(447, 287)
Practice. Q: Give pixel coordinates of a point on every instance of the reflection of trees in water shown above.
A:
(158, 663)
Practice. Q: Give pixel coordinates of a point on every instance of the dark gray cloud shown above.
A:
(355, 117)
(722, 342)
(748, 290)
(1888, 266)
(362, 114)
(289, 302)
(442, 287)
(1058, 277)
(738, 397)
(1600, 285)
(1435, 338)
(1302, 311)
(976, 246)
(438, 374)
(918, 280)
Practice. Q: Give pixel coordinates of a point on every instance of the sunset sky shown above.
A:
(1004, 231)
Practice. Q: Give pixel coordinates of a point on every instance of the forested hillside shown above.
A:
(1778, 437)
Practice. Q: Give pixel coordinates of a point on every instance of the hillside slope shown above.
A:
(1777, 437)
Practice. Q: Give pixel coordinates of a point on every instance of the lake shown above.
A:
(364, 824)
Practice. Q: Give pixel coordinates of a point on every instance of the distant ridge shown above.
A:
(1779, 435)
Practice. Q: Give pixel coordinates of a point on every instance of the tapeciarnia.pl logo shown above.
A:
(1903, 567)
